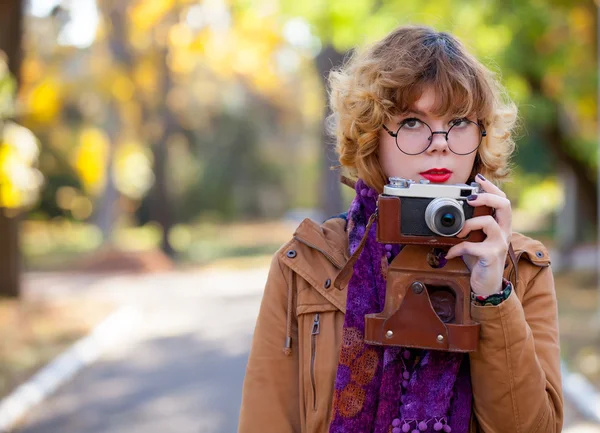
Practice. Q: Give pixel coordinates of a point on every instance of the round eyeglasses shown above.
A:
(415, 136)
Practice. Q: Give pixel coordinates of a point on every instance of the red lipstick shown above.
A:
(437, 175)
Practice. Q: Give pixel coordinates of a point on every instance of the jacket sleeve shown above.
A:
(516, 371)
(270, 395)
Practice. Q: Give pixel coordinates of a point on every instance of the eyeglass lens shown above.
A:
(415, 136)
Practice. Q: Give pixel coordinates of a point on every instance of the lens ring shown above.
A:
(480, 133)
(432, 215)
(418, 153)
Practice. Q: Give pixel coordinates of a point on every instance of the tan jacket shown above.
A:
(515, 373)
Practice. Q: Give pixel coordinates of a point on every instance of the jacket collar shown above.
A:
(330, 239)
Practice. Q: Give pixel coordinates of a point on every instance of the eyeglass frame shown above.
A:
(395, 135)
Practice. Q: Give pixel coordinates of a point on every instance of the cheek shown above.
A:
(387, 156)
(393, 162)
(466, 166)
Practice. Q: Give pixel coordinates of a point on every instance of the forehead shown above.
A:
(428, 100)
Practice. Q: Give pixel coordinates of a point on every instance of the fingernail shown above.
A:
(472, 197)
(480, 176)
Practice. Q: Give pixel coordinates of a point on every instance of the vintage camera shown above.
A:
(427, 302)
(426, 214)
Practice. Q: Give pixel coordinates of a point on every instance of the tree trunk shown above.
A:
(107, 206)
(159, 198)
(11, 23)
(330, 196)
(587, 188)
(107, 210)
(567, 218)
(557, 140)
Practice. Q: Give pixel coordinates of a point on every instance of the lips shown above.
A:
(437, 175)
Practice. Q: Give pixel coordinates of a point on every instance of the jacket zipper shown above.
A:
(313, 343)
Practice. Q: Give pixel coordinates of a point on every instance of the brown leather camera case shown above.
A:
(409, 318)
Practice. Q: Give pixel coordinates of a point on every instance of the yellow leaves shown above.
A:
(101, 61)
(267, 81)
(131, 114)
(91, 158)
(197, 45)
(145, 76)
(346, 17)
(247, 49)
(219, 54)
(133, 169)
(177, 99)
(581, 22)
(68, 198)
(44, 101)
(492, 40)
(59, 138)
(543, 197)
(10, 197)
(180, 35)
(182, 62)
(22, 141)
(587, 106)
(20, 181)
(206, 92)
(552, 82)
(145, 14)
(122, 88)
(518, 87)
(31, 71)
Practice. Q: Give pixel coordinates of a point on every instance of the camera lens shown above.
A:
(447, 220)
(445, 216)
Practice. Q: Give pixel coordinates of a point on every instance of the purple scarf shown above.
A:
(383, 389)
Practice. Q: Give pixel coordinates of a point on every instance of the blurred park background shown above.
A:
(176, 137)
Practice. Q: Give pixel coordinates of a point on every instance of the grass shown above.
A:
(60, 245)
(33, 333)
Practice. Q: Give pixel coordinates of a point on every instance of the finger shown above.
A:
(501, 205)
(490, 200)
(486, 223)
(467, 248)
(488, 186)
(485, 252)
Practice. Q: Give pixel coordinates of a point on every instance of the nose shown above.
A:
(438, 143)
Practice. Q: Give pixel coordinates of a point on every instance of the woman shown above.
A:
(414, 105)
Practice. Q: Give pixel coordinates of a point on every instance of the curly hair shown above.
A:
(387, 78)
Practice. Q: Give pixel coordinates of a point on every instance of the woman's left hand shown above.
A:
(486, 259)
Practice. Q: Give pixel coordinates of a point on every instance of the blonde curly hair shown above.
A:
(388, 77)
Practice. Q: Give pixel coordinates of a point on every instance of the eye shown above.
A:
(459, 122)
(411, 123)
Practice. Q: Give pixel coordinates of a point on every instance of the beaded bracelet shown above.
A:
(495, 298)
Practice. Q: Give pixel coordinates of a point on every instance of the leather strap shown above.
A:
(344, 276)
(348, 182)
(515, 270)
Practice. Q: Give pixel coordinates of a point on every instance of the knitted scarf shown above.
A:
(383, 389)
